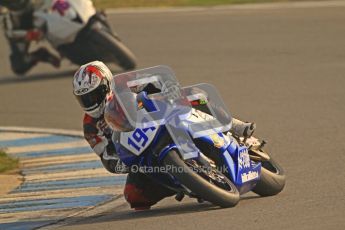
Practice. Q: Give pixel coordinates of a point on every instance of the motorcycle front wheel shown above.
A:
(199, 185)
(111, 46)
(272, 179)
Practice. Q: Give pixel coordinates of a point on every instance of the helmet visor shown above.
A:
(93, 99)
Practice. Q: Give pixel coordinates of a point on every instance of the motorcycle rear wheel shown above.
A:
(199, 185)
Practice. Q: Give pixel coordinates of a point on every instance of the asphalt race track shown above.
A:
(281, 67)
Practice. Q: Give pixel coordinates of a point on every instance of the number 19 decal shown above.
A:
(138, 140)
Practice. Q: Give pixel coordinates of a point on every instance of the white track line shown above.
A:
(14, 136)
(63, 132)
(88, 173)
(46, 147)
(59, 160)
(61, 193)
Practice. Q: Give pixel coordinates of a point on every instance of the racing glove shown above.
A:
(33, 35)
(112, 162)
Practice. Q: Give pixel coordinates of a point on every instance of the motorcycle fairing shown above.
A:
(247, 172)
(138, 140)
(60, 28)
(84, 8)
(242, 171)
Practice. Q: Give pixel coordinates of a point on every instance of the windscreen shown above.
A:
(173, 105)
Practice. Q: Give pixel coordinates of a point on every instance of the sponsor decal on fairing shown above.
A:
(251, 175)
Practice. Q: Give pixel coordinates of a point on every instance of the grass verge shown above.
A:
(166, 3)
(7, 163)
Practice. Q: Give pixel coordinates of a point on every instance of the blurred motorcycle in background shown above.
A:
(76, 31)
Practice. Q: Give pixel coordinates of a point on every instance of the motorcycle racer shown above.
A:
(20, 32)
(91, 87)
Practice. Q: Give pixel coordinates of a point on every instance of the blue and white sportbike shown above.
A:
(179, 141)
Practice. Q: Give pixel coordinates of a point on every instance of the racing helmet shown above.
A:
(91, 84)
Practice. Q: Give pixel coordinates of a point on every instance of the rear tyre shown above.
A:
(272, 179)
(118, 51)
(199, 185)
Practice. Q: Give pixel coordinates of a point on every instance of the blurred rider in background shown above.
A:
(91, 87)
(20, 32)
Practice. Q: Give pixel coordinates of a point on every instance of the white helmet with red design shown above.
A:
(91, 84)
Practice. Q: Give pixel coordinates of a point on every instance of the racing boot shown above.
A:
(43, 55)
(242, 129)
(141, 192)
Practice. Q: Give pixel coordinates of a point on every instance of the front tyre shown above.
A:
(110, 45)
(199, 185)
(272, 179)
